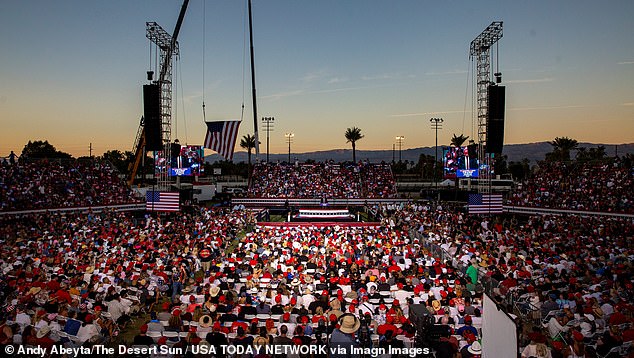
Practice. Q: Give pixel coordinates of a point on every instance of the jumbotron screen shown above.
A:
(457, 162)
(189, 161)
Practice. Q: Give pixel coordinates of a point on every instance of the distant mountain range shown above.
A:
(515, 152)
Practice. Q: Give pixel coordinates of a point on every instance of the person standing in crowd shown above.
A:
(205, 258)
(472, 271)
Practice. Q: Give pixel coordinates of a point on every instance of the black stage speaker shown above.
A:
(152, 117)
(495, 119)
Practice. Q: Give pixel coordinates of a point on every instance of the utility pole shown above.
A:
(393, 153)
(267, 123)
(90, 149)
(289, 140)
(399, 140)
(436, 124)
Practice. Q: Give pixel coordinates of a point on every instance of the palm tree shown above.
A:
(353, 135)
(458, 141)
(248, 142)
(562, 147)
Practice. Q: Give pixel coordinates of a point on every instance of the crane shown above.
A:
(168, 46)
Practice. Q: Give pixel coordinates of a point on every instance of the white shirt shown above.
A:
(23, 319)
(87, 331)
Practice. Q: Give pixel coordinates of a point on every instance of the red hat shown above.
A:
(255, 321)
(396, 303)
(399, 285)
(293, 301)
(304, 319)
(324, 293)
(382, 307)
(333, 317)
(88, 318)
(176, 312)
(286, 317)
(162, 340)
(143, 328)
(278, 299)
(577, 336)
(166, 306)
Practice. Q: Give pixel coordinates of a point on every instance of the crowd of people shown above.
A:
(572, 274)
(603, 187)
(215, 277)
(44, 184)
(205, 279)
(322, 180)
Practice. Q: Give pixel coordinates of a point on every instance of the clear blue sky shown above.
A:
(71, 71)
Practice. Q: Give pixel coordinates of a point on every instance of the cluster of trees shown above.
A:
(42, 150)
(563, 146)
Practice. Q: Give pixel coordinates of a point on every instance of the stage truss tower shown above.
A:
(480, 51)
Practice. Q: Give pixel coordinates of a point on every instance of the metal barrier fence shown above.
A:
(545, 211)
(83, 209)
(486, 283)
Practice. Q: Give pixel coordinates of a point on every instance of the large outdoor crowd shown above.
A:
(322, 180)
(603, 187)
(214, 277)
(207, 278)
(44, 184)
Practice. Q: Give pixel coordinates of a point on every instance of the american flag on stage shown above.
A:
(485, 203)
(162, 201)
(221, 137)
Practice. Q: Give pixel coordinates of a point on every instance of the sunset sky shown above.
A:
(71, 72)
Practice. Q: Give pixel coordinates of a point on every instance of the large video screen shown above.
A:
(188, 162)
(457, 162)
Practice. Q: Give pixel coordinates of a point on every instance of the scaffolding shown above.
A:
(480, 51)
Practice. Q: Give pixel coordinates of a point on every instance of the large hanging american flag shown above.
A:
(221, 137)
(485, 203)
(162, 201)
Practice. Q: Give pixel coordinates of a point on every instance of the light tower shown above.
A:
(399, 140)
(436, 124)
(289, 140)
(267, 123)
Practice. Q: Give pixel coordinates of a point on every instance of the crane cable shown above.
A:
(203, 56)
(182, 92)
(466, 94)
(244, 50)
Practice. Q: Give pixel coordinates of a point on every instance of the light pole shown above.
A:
(399, 140)
(267, 123)
(289, 140)
(436, 124)
(393, 151)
